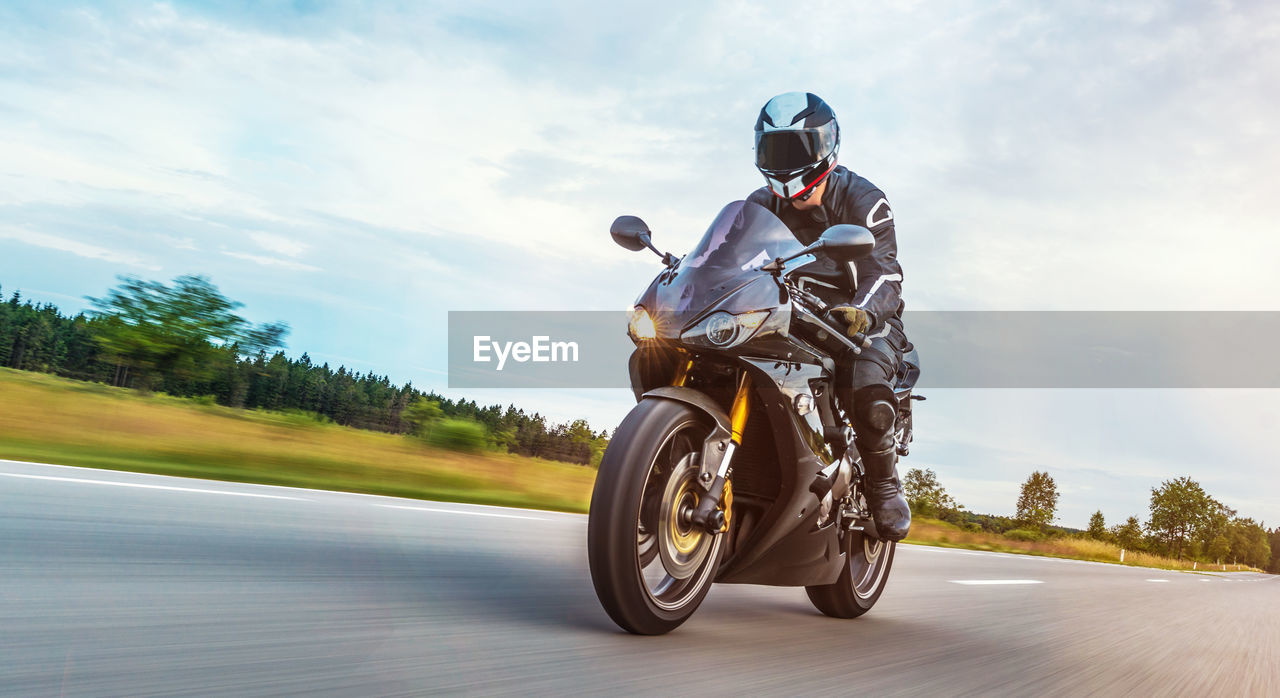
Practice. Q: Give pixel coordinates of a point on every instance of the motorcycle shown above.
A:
(737, 465)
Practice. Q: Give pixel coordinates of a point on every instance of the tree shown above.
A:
(1097, 526)
(1179, 509)
(421, 414)
(147, 327)
(1038, 501)
(1249, 544)
(1213, 533)
(1219, 548)
(1128, 535)
(926, 495)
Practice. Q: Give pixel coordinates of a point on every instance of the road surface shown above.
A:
(125, 584)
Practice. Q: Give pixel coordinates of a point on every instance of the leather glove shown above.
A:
(856, 318)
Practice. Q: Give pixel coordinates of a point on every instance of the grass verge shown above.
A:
(927, 531)
(53, 420)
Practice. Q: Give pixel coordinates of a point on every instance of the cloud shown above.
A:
(80, 249)
(272, 261)
(279, 244)
(177, 243)
(1029, 142)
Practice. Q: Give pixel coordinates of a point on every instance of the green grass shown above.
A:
(48, 419)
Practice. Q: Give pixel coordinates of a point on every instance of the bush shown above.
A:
(291, 417)
(459, 435)
(302, 418)
(421, 414)
(1023, 534)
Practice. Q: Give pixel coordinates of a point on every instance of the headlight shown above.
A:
(722, 330)
(641, 325)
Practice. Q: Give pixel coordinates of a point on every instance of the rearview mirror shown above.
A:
(847, 242)
(630, 232)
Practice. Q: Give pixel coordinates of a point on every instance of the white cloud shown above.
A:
(279, 244)
(272, 261)
(180, 243)
(80, 249)
(1014, 160)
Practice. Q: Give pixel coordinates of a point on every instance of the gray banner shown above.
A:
(984, 349)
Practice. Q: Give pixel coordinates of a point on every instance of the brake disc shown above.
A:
(682, 545)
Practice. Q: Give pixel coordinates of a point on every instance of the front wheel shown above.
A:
(865, 573)
(650, 565)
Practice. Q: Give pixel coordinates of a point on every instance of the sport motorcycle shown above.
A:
(737, 464)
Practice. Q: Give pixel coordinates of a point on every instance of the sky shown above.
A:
(359, 170)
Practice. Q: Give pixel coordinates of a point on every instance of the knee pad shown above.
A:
(873, 402)
(878, 415)
(874, 417)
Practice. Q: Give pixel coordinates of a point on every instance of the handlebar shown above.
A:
(821, 312)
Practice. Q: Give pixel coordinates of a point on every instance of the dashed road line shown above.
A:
(465, 513)
(993, 582)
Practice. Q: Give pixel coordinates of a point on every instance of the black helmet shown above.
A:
(796, 142)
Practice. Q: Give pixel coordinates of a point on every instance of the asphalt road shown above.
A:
(124, 584)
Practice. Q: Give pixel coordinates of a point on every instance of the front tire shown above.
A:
(650, 567)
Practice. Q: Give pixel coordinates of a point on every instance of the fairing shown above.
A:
(742, 238)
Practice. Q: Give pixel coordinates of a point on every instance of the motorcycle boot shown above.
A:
(889, 508)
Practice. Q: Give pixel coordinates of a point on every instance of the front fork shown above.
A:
(709, 514)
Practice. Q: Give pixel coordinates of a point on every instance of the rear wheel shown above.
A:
(866, 571)
(650, 565)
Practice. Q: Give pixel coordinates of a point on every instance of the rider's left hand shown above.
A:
(856, 318)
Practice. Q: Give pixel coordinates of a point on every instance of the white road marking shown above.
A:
(545, 514)
(110, 483)
(467, 513)
(984, 582)
(1158, 581)
(940, 549)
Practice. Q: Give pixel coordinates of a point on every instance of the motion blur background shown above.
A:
(358, 170)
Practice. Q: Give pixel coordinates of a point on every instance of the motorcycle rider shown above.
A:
(797, 138)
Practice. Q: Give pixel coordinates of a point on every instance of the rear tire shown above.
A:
(865, 574)
(647, 477)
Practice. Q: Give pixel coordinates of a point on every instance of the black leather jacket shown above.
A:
(850, 198)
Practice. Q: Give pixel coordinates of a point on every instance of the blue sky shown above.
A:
(359, 170)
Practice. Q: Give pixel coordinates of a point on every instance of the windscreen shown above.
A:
(741, 239)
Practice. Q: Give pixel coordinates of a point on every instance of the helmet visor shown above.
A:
(788, 150)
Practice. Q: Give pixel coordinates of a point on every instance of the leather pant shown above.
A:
(869, 377)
